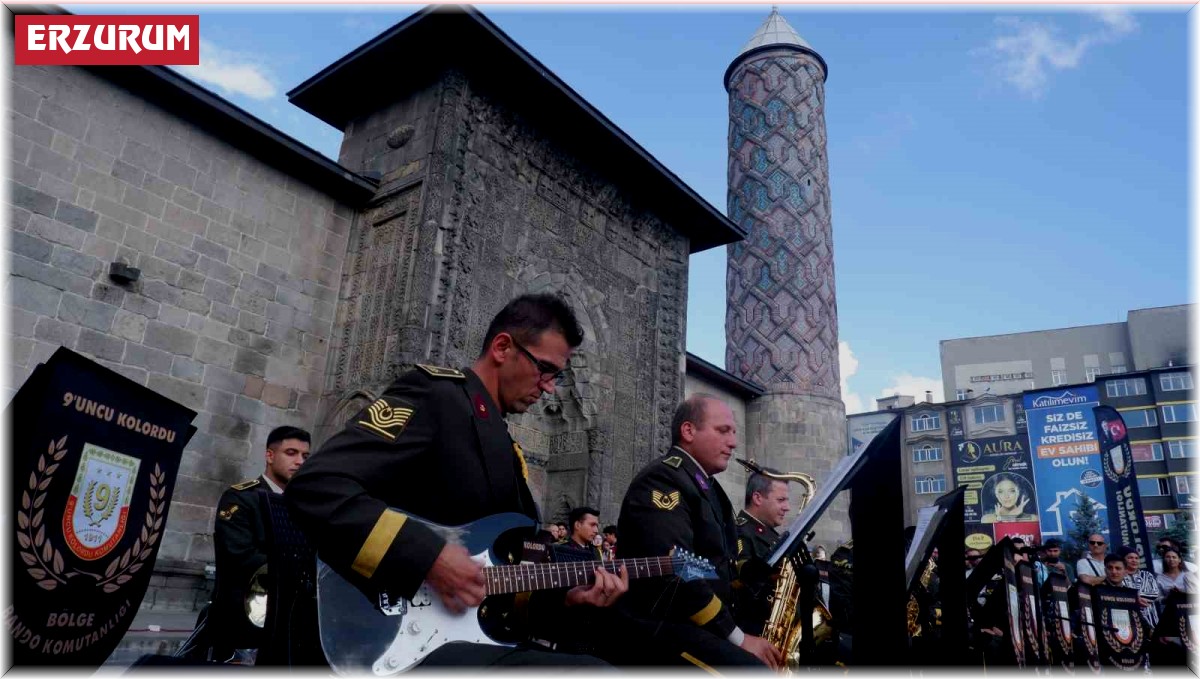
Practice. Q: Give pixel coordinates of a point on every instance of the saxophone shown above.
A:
(913, 610)
(783, 628)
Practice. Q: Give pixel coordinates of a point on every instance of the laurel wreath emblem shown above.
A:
(45, 562)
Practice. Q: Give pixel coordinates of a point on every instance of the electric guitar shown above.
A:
(392, 634)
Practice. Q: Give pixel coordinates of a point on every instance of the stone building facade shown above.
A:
(278, 287)
(240, 268)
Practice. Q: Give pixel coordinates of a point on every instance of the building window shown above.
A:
(1153, 487)
(1090, 374)
(931, 484)
(1183, 412)
(960, 394)
(1181, 485)
(1118, 369)
(1058, 377)
(927, 453)
(989, 414)
(1175, 381)
(1169, 520)
(1147, 452)
(926, 422)
(1132, 386)
(1181, 449)
(1140, 418)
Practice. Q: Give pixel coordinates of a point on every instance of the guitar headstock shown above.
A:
(690, 567)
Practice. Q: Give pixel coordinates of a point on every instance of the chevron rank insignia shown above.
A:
(673, 461)
(667, 501)
(741, 546)
(435, 371)
(386, 419)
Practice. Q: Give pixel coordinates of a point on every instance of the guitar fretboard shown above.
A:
(534, 577)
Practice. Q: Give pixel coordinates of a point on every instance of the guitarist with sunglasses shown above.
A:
(436, 444)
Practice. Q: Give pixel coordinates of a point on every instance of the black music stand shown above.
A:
(877, 527)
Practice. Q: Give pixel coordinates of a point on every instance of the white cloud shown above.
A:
(231, 72)
(1026, 53)
(848, 366)
(912, 385)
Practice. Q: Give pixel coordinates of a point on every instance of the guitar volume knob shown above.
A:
(414, 627)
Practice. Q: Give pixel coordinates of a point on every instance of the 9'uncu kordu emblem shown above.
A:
(97, 511)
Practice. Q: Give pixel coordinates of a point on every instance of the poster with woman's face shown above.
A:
(1001, 499)
(1008, 497)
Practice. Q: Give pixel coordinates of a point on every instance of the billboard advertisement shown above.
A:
(1000, 499)
(860, 429)
(1065, 453)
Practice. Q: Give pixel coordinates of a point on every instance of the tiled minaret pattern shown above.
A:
(781, 319)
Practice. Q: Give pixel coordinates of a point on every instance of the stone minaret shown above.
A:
(781, 319)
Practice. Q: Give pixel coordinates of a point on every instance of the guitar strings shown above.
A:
(505, 579)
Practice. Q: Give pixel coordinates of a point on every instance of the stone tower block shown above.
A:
(781, 319)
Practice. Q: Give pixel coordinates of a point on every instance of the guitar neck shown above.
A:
(535, 577)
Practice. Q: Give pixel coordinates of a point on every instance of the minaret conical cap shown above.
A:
(775, 31)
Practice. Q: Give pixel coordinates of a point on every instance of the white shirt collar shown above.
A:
(706, 474)
(271, 484)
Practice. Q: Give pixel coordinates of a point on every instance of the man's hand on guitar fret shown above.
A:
(457, 578)
(607, 589)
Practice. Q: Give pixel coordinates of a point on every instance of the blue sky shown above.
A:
(992, 170)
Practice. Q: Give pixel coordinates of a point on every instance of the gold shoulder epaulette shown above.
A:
(245, 485)
(673, 461)
(435, 371)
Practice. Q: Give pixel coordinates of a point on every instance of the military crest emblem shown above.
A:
(1123, 623)
(97, 510)
(667, 501)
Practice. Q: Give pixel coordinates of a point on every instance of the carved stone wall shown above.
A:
(480, 205)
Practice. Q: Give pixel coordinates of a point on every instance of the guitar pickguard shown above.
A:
(425, 627)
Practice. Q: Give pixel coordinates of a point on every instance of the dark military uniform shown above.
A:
(240, 545)
(434, 445)
(755, 542)
(755, 539)
(672, 503)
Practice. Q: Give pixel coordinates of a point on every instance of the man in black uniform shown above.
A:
(239, 540)
(436, 445)
(766, 505)
(675, 502)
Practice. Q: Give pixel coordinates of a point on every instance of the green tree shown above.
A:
(1086, 522)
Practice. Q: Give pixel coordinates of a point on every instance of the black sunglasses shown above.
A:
(1094, 542)
(547, 371)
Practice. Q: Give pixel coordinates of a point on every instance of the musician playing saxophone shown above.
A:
(766, 505)
(436, 444)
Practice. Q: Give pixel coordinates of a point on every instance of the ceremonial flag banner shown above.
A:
(1087, 643)
(1030, 615)
(1126, 525)
(1012, 599)
(94, 459)
(1057, 620)
(1121, 634)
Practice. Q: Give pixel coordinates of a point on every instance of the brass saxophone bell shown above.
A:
(256, 598)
